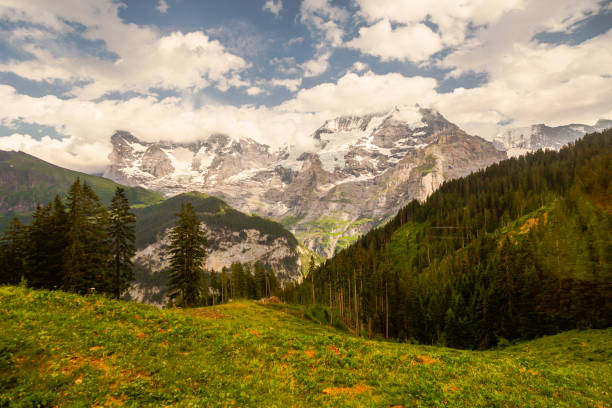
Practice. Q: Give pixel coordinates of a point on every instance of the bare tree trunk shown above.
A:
(387, 309)
(331, 312)
(312, 285)
(356, 302)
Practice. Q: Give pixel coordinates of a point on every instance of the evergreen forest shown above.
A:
(518, 250)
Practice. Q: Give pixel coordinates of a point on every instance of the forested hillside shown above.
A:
(519, 250)
(26, 180)
(215, 213)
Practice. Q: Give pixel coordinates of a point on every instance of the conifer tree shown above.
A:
(187, 256)
(40, 255)
(121, 235)
(13, 252)
(261, 282)
(311, 273)
(87, 254)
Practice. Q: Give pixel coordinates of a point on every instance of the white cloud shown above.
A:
(497, 45)
(144, 58)
(316, 66)
(296, 40)
(324, 21)
(285, 65)
(69, 152)
(254, 90)
(358, 94)
(536, 83)
(415, 42)
(291, 84)
(527, 81)
(90, 125)
(453, 18)
(273, 6)
(359, 66)
(162, 6)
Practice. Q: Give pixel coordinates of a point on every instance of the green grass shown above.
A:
(63, 349)
(291, 220)
(304, 256)
(428, 164)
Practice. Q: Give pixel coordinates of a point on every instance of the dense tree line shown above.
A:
(240, 281)
(521, 249)
(75, 244)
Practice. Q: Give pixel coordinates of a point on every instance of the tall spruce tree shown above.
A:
(121, 235)
(187, 256)
(40, 256)
(13, 253)
(87, 254)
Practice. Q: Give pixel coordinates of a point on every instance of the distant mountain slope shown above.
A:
(360, 171)
(233, 236)
(521, 140)
(64, 350)
(26, 180)
(521, 249)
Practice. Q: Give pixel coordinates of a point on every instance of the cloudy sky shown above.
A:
(73, 71)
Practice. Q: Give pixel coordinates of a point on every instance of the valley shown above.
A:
(305, 203)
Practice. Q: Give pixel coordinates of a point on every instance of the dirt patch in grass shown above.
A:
(425, 360)
(203, 313)
(112, 401)
(532, 222)
(354, 390)
(77, 361)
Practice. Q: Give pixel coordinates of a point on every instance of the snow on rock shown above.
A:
(362, 167)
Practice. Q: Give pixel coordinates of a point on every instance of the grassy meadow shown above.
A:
(61, 349)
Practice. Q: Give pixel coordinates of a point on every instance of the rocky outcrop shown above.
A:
(362, 170)
(224, 248)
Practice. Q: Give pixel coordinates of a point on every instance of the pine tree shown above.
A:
(311, 273)
(40, 256)
(87, 254)
(121, 234)
(261, 281)
(187, 256)
(13, 253)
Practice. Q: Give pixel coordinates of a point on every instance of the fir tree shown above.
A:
(187, 256)
(40, 257)
(121, 234)
(12, 253)
(87, 254)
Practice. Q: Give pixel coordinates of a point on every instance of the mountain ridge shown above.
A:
(233, 236)
(362, 169)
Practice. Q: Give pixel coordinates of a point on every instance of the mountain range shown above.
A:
(232, 236)
(361, 170)
(517, 141)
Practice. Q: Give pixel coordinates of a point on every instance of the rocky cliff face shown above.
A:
(521, 140)
(224, 248)
(363, 169)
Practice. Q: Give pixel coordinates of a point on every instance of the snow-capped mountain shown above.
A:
(517, 141)
(362, 170)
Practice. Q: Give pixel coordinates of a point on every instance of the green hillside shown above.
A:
(26, 180)
(60, 349)
(515, 251)
(154, 219)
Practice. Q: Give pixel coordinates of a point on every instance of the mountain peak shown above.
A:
(354, 158)
(603, 124)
